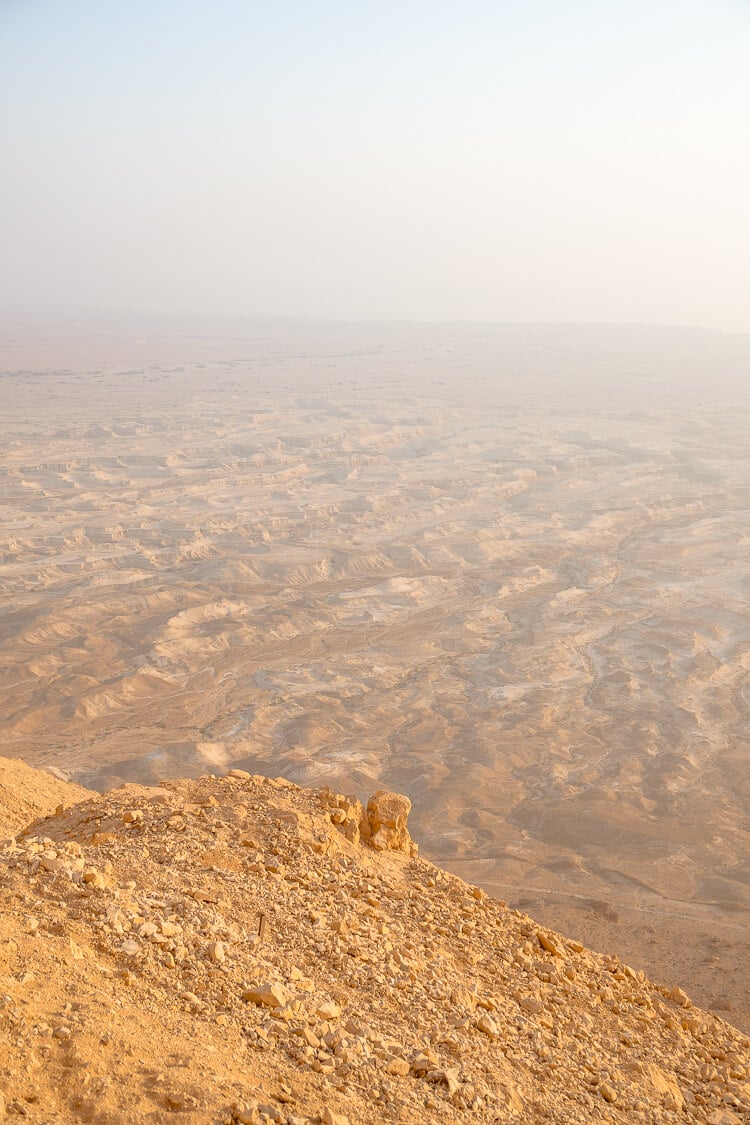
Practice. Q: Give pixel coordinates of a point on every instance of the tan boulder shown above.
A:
(386, 823)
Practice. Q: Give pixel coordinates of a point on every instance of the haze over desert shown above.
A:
(375, 563)
(501, 569)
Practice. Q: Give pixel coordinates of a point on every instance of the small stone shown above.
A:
(246, 1113)
(309, 1038)
(328, 1011)
(448, 1078)
(177, 1101)
(548, 944)
(608, 1092)
(399, 1066)
(217, 951)
(423, 1062)
(331, 1118)
(488, 1027)
(267, 995)
(270, 1113)
(680, 997)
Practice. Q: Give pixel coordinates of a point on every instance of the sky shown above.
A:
(529, 160)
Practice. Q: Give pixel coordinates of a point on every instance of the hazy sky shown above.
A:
(540, 160)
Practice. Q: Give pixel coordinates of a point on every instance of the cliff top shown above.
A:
(238, 949)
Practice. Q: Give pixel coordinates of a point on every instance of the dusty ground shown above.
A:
(503, 571)
(234, 950)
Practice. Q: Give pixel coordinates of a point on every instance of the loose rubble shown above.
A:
(237, 949)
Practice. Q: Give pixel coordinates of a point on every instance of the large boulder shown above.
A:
(385, 823)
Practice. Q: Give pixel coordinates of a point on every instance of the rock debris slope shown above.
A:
(238, 949)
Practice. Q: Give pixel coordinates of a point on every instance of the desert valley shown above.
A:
(503, 571)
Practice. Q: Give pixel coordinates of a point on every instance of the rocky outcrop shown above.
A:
(387, 816)
(382, 824)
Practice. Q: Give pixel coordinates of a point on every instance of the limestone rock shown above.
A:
(399, 1066)
(488, 1027)
(448, 1077)
(347, 814)
(387, 816)
(548, 944)
(217, 951)
(423, 1062)
(666, 1086)
(329, 1010)
(680, 997)
(331, 1118)
(267, 995)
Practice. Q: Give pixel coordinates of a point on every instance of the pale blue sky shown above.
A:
(539, 161)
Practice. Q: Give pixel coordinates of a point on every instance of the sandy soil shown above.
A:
(504, 571)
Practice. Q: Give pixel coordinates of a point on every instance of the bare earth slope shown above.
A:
(134, 985)
(26, 794)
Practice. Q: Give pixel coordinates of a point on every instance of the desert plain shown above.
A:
(503, 570)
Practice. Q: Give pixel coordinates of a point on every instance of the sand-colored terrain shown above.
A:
(238, 951)
(26, 795)
(503, 571)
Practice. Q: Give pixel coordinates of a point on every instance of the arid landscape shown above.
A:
(501, 570)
